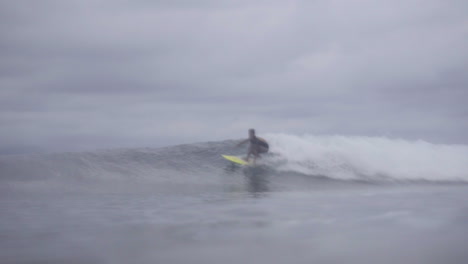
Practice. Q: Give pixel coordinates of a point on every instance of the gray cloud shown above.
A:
(79, 75)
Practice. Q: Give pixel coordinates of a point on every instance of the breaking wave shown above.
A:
(370, 158)
(341, 158)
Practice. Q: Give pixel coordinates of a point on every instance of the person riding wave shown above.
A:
(257, 146)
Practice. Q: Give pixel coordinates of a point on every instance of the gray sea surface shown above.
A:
(118, 207)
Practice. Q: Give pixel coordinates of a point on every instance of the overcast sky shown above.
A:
(88, 74)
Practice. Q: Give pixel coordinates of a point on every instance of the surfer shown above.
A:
(257, 146)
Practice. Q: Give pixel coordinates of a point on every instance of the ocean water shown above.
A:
(313, 199)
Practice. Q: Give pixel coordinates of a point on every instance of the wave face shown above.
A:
(119, 168)
(331, 157)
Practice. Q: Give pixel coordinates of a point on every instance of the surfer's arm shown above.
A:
(243, 142)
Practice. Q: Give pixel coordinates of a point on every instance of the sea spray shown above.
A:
(370, 158)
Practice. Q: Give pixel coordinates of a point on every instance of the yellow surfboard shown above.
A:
(236, 160)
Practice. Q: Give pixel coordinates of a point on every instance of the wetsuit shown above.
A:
(258, 146)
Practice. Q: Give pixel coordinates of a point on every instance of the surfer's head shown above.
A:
(251, 133)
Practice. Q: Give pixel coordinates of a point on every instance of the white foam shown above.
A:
(344, 157)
